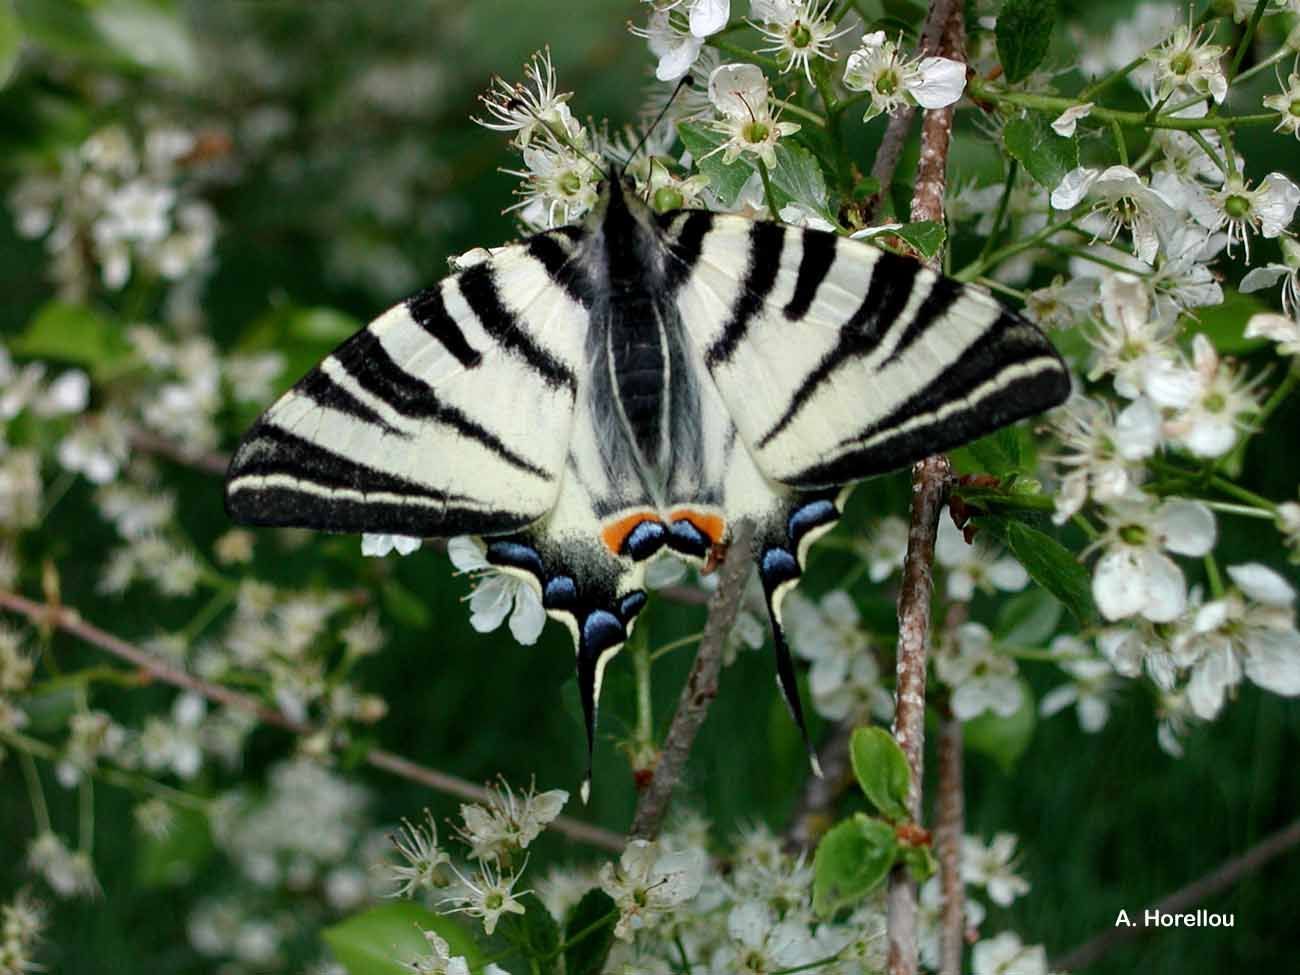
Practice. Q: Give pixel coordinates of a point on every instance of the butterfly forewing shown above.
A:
(451, 413)
(838, 361)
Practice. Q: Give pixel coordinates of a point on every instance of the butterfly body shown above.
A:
(594, 397)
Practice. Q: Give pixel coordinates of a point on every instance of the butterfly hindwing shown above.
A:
(837, 360)
(451, 413)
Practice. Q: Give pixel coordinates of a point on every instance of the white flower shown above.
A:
(139, 211)
(761, 943)
(522, 108)
(930, 922)
(1184, 62)
(1277, 328)
(647, 882)
(1123, 202)
(489, 898)
(990, 867)
(97, 447)
(498, 593)
(676, 47)
(1207, 424)
(740, 94)
(798, 215)
(1233, 637)
(380, 545)
(1006, 955)
(1288, 273)
(1091, 682)
(844, 677)
(69, 874)
(891, 82)
(1288, 523)
(800, 30)
(439, 961)
(1287, 104)
(1134, 576)
(1062, 303)
(508, 822)
(970, 567)
(1240, 211)
(1132, 343)
(559, 184)
(418, 847)
(884, 548)
(981, 679)
(1066, 123)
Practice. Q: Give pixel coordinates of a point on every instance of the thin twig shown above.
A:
(943, 34)
(886, 162)
(700, 689)
(949, 827)
(70, 621)
(1216, 881)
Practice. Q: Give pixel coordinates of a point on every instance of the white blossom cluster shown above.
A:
(117, 204)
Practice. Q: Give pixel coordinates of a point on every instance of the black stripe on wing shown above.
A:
(1010, 342)
(815, 263)
(429, 309)
(766, 241)
(479, 288)
(364, 358)
(688, 229)
(322, 390)
(559, 262)
(279, 478)
(892, 278)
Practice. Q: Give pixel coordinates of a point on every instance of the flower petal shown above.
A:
(1187, 526)
(941, 82)
(1262, 584)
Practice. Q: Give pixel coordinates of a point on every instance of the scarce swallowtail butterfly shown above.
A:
(593, 396)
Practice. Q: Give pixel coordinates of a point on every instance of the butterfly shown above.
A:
(595, 396)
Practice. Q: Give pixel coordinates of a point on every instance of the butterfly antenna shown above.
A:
(686, 82)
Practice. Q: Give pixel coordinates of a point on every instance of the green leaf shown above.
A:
(378, 940)
(797, 178)
(852, 860)
(541, 937)
(1224, 324)
(177, 857)
(925, 236)
(727, 179)
(882, 770)
(587, 956)
(919, 860)
(1028, 619)
(11, 40)
(1024, 32)
(1004, 739)
(906, 10)
(72, 333)
(150, 34)
(995, 455)
(866, 187)
(1046, 156)
(1049, 563)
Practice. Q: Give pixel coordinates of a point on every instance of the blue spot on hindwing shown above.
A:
(806, 517)
(644, 540)
(561, 592)
(516, 555)
(601, 630)
(630, 605)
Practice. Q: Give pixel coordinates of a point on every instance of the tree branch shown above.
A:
(700, 689)
(948, 836)
(1217, 880)
(71, 622)
(943, 33)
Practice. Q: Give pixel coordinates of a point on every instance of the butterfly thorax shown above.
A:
(635, 351)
